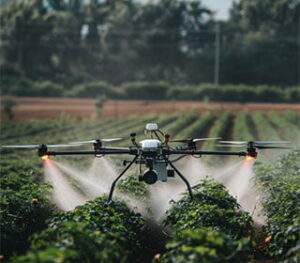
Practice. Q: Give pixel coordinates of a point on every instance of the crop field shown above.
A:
(55, 210)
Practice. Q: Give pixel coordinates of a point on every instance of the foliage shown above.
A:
(70, 42)
(91, 89)
(92, 232)
(242, 129)
(238, 93)
(264, 127)
(209, 228)
(206, 245)
(199, 126)
(7, 108)
(133, 187)
(219, 129)
(24, 205)
(25, 87)
(212, 206)
(96, 232)
(19, 130)
(181, 122)
(152, 90)
(281, 123)
(145, 90)
(280, 183)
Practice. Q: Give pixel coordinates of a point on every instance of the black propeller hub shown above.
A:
(191, 144)
(251, 150)
(97, 145)
(42, 150)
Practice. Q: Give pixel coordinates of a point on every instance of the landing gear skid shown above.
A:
(112, 188)
(117, 179)
(182, 178)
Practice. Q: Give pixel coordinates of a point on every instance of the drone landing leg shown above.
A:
(118, 178)
(183, 178)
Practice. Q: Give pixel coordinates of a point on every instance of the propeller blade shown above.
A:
(182, 141)
(112, 140)
(230, 146)
(83, 142)
(273, 147)
(206, 139)
(234, 142)
(36, 146)
(271, 142)
(25, 146)
(96, 140)
(61, 145)
(195, 140)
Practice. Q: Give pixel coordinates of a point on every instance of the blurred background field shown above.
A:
(151, 50)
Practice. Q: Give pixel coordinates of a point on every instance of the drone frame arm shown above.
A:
(118, 178)
(199, 152)
(104, 151)
(182, 178)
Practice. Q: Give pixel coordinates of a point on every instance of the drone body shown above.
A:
(153, 155)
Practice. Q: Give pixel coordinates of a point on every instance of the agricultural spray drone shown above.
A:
(155, 155)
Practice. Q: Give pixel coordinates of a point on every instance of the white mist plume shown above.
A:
(93, 182)
(88, 186)
(239, 180)
(65, 197)
(102, 172)
(161, 194)
(238, 177)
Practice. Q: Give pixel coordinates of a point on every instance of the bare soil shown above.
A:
(45, 107)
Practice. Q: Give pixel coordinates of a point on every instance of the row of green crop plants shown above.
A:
(211, 228)
(225, 125)
(156, 91)
(26, 210)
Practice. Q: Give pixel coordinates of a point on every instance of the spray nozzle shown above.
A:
(45, 157)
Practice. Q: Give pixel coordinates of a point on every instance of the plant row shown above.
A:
(209, 228)
(280, 185)
(94, 232)
(156, 91)
(25, 206)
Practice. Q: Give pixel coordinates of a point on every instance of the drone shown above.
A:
(154, 155)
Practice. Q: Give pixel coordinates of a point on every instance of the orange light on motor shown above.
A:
(249, 158)
(45, 157)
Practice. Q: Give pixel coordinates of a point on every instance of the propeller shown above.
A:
(195, 140)
(230, 146)
(96, 141)
(273, 147)
(36, 146)
(256, 144)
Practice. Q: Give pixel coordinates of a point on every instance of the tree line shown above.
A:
(117, 41)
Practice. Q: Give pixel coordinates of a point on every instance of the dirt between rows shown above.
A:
(42, 107)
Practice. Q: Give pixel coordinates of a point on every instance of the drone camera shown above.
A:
(149, 177)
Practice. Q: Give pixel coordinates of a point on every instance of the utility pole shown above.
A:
(217, 55)
(298, 50)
